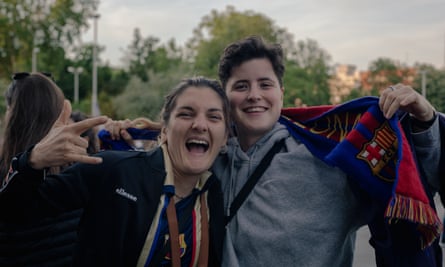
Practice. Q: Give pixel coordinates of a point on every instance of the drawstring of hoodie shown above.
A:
(233, 174)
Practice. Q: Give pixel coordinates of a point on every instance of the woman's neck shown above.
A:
(247, 137)
(247, 141)
(184, 184)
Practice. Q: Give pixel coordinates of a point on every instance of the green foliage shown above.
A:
(110, 81)
(359, 92)
(384, 72)
(84, 105)
(146, 54)
(146, 98)
(435, 85)
(50, 26)
(307, 74)
(155, 67)
(217, 30)
(382, 64)
(83, 59)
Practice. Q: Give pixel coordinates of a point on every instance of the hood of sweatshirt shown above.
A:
(235, 166)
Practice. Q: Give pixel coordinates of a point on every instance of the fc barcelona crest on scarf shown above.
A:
(380, 153)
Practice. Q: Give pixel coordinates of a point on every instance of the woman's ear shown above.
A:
(163, 136)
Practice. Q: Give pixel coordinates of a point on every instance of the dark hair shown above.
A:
(252, 47)
(199, 82)
(34, 103)
(93, 146)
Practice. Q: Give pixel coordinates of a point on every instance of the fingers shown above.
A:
(63, 144)
(115, 128)
(404, 98)
(61, 150)
(64, 116)
(85, 159)
(127, 138)
(81, 126)
(389, 101)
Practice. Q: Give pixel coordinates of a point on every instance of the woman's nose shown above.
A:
(200, 124)
(254, 93)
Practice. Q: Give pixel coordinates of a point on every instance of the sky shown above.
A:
(353, 32)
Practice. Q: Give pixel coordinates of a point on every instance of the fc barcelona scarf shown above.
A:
(107, 143)
(371, 150)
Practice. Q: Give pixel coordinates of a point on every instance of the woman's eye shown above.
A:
(183, 115)
(216, 117)
(266, 85)
(241, 87)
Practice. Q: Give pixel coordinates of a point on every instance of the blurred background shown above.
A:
(119, 58)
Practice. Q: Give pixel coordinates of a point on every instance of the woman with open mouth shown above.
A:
(157, 208)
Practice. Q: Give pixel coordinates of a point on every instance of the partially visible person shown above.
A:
(33, 103)
(304, 210)
(156, 208)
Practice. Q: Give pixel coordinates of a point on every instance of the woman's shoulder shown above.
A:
(115, 158)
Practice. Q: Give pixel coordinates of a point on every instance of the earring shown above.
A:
(223, 149)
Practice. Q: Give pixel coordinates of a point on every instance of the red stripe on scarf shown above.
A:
(317, 127)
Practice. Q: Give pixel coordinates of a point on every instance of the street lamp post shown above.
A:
(423, 72)
(76, 72)
(94, 105)
(35, 50)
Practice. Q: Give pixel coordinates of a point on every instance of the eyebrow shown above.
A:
(215, 110)
(192, 109)
(265, 79)
(260, 79)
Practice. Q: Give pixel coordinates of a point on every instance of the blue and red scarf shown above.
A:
(107, 143)
(371, 150)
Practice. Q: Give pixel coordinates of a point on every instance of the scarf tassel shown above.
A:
(409, 209)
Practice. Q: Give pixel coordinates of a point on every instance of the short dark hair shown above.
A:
(252, 47)
(199, 82)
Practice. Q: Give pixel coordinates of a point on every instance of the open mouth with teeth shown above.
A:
(195, 145)
(255, 109)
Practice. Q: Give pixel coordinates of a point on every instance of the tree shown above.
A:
(146, 54)
(218, 29)
(435, 84)
(110, 81)
(51, 26)
(383, 72)
(307, 74)
(146, 98)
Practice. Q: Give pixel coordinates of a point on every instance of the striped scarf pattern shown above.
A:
(371, 150)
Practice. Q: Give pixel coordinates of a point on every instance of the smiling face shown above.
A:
(196, 130)
(256, 99)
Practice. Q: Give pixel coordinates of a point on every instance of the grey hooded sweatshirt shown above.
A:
(301, 212)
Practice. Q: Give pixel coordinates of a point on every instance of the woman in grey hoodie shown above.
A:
(301, 212)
